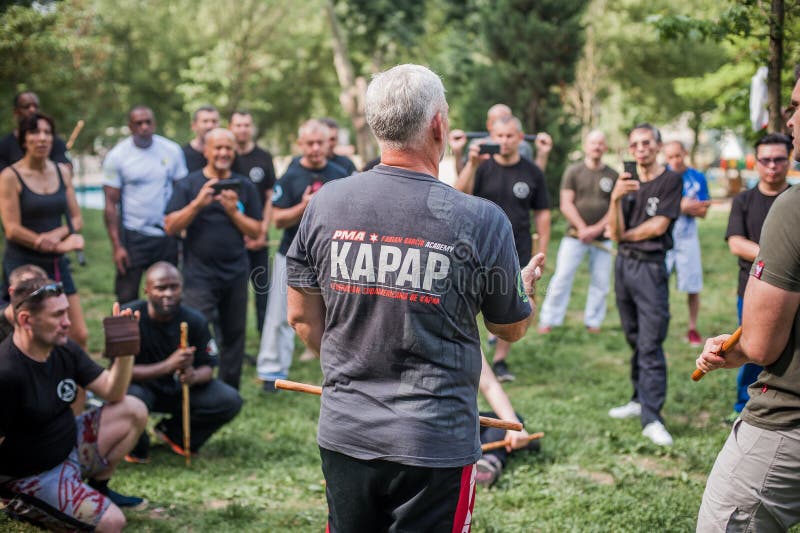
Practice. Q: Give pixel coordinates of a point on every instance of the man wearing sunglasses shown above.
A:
(748, 212)
(46, 452)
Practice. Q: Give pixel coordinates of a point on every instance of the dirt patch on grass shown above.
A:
(601, 478)
(661, 469)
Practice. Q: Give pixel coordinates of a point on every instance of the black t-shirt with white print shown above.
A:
(660, 196)
(258, 166)
(517, 189)
(36, 418)
(404, 264)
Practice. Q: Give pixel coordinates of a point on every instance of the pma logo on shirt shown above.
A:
(521, 190)
(67, 390)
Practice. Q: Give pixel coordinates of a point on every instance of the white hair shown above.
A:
(401, 102)
(312, 125)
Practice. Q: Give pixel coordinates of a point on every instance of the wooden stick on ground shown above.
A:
(574, 234)
(731, 341)
(187, 439)
(496, 445)
(74, 135)
(316, 389)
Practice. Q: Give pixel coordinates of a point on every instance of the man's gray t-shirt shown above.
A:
(404, 264)
(145, 177)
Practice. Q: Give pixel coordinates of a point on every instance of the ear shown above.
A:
(437, 126)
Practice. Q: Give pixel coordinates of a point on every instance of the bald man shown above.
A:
(218, 209)
(162, 366)
(585, 195)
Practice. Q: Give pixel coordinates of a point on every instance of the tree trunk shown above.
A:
(776, 19)
(353, 89)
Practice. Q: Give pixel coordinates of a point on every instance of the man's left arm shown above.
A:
(668, 209)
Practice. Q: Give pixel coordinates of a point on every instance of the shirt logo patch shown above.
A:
(606, 184)
(652, 206)
(67, 390)
(758, 270)
(521, 190)
(277, 192)
(256, 174)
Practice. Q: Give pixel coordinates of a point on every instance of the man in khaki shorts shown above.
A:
(754, 485)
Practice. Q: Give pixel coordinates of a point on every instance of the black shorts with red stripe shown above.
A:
(381, 495)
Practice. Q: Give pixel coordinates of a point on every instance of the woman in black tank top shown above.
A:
(36, 195)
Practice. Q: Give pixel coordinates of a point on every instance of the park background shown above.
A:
(564, 66)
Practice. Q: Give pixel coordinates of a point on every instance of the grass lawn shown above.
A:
(262, 472)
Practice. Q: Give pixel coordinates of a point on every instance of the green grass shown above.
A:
(262, 471)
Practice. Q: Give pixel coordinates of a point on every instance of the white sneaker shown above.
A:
(656, 432)
(629, 410)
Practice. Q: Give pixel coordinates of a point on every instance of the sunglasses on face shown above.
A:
(51, 289)
(778, 161)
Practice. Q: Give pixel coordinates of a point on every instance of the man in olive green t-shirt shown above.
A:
(585, 195)
(754, 484)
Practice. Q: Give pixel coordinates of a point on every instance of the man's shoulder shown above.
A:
(192, 316)
(333, 170)
(120, 149)
(166, 144)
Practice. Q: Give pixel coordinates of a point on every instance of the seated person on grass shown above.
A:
(490, 465)
(162, 366)
(45, 451)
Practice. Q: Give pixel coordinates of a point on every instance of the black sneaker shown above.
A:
(120, 500)
(269, 387)
(501, 371)
(487, 470)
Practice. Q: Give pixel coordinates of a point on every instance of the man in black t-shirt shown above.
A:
(204, 119)
(518, 187)
(333, 141)
(292, 193)
(217, 208)
(387, 275)
(748, 212)
(26, 104)
(45, 451)
(256, 164)
(162, 366)
(642, 212)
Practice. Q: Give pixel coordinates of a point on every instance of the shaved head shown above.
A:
(160, 269)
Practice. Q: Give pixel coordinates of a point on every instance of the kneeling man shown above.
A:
(162, 366)
(45, 451)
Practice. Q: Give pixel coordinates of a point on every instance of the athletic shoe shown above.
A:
(694, 338)
(161, 434)
(269, 387)
(544, 330)
(629, 410)
(487, 470)
(491, 340)
(593, 330)
(656, 432)
(307, 355)
(120, 500)
(501, 371)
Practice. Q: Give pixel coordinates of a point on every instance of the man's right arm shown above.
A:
(177, 360)
(466, 176)
(287, 217)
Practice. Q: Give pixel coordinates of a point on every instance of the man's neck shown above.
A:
(305, 163)
(592, 163)
(245, 148)
(197, 144)
(650, 172)
(772, 189)
(507, 160)
(31, 348)
(144, 144)
(410, 160)
(210, 172)
(155, 317)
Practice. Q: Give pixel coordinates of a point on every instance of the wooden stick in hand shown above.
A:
(187, 439)
(486, 421)
(496, 445)
(729, 343)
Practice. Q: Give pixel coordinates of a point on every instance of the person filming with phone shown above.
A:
(645, 202)
(496, 171)
(217, 208)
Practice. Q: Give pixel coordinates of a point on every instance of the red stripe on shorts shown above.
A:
(466, 501)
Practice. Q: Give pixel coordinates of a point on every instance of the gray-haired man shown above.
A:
(386, 276)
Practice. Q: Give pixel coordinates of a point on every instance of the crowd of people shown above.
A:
(382, 275)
